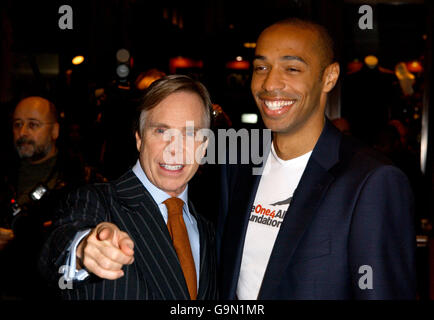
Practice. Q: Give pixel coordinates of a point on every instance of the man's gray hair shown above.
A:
(163, 87)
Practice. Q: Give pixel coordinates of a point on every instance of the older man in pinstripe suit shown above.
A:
(111, 240)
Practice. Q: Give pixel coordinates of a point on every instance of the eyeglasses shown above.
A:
(33, 125)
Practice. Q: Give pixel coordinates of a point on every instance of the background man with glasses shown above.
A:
(33, 181)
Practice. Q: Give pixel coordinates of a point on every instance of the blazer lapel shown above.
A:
(307, 197)
(236, 227)
(204, 252)
(154, 253)
(237, 221)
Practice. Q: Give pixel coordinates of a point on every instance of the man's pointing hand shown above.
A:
(105, 250)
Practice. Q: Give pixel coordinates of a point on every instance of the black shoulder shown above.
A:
(93, 189)
(353, 149)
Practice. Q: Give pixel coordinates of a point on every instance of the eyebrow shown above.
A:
(163, 125)
(285, 58)
(21, 119)
(158, 125)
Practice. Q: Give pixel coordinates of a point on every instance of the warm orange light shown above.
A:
(250, 45)
(371, 61)
(47, 223)
(145, 79)
(354, 66)
(182, 62)
(238, 65)
(414, 66)
(77, 60)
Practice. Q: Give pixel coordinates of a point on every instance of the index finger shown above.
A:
(116, 255)
(127, 246)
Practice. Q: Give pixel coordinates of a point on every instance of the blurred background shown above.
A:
(96, 72)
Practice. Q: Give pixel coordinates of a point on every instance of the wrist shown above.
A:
(79, 256)
(78, 263)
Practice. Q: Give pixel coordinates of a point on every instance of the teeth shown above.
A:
(275, 105)
(174, 167)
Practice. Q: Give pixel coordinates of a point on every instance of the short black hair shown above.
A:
(325, 41)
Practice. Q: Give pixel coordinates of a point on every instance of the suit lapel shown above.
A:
(236, 227)
(305, 202)
(307, 197)
(154, 253)
(204, 251)
(237, 221)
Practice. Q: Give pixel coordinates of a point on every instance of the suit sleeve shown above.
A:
(82, 209)
(382, 238)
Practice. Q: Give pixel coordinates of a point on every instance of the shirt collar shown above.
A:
(157, 194)
(300, 159)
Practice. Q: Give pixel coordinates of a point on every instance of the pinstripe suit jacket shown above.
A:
(156, 273)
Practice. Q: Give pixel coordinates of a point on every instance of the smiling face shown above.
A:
(167, 144)
(288, 84)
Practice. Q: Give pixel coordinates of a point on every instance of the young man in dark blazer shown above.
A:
(326, 219)
(117, 240)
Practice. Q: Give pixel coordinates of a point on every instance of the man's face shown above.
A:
(167, 146)
(287, 84)
(34, 130)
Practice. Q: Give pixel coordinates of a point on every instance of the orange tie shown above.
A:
(178, 232)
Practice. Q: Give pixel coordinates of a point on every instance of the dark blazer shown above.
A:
(156, 272)
(351, 209)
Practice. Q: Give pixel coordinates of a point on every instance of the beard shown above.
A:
(28, 149)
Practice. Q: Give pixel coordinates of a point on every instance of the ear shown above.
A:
(204, 135)
(138, 141)
(55, 131)
(204, 146)
(200, 151)
(330, 76)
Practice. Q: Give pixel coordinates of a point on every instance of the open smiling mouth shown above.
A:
(275, 105)
(172, 167)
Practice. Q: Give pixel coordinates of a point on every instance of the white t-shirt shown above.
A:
(272, 200)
